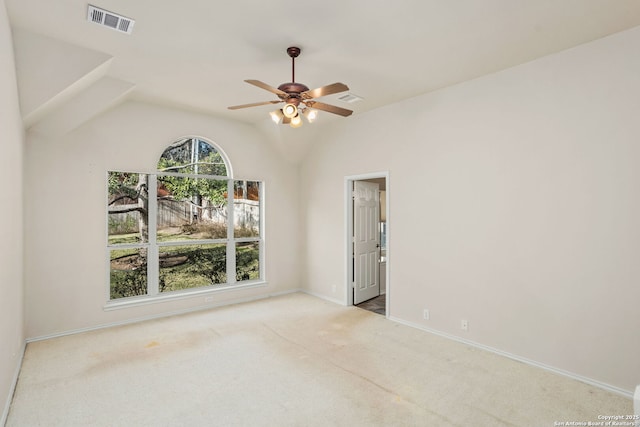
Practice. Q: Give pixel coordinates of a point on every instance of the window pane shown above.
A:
(128, 272)
(192, 156)
(191, 209)
(247, 261)
(192, 266)
(128, 207)
(246, 208)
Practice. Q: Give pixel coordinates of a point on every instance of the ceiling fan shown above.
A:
(298, 99)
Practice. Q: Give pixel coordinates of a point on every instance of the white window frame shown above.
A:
(153, 294)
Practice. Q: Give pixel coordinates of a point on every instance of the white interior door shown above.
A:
(366, 241)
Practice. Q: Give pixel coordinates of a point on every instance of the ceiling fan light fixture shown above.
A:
(296, 122)
(276, 116)
(298, 98)
(290, 111)
(310, 114)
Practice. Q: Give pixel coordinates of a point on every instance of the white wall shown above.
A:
(11, 241)
(51, 72)
(66, 270)
(514, 204)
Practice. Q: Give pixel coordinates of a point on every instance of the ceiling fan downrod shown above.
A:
(293, 52)
(293, 89)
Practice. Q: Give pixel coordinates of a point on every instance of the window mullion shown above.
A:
(231, 245)
(152, 256)
(261, 250)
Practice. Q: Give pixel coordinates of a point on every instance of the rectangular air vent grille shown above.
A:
(350, 98)
(110, 20)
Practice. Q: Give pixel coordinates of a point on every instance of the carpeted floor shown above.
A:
(294, 360)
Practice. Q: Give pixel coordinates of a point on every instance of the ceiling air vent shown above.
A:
(110, 20)
(350, 98)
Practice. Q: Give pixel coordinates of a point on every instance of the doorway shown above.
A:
(367, 242)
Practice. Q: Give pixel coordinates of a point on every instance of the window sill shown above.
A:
(178, 295)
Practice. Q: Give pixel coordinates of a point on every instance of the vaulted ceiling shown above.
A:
(195, 54)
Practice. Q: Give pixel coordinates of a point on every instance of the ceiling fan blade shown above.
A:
(324, 90)
(265, 86)
(255, 104)
(329, 108)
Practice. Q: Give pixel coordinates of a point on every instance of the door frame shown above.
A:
(348, 235)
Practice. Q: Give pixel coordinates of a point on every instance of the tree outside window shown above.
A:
(202, 229)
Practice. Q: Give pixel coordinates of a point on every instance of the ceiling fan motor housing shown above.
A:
(293, 91)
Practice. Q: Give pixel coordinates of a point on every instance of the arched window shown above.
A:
(193, 156)
(201, 232)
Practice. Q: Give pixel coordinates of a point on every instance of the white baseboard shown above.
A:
(159, 316)
(608, 387)
(12, 389)
(324, 297)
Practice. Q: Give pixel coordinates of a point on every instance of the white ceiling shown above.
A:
(196, 53)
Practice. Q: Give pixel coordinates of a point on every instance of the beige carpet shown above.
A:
(293, 360)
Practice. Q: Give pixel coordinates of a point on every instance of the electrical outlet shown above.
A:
(464, 325)
(208, 299)
(425, 314)
(333, 289)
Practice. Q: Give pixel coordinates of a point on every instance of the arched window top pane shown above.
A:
(193, 156)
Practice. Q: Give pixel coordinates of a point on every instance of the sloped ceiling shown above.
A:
(195, 54)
